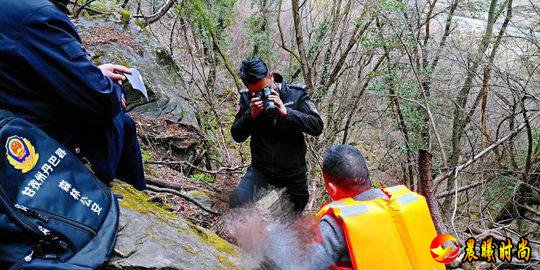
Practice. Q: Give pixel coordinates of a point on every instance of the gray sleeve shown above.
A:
(324, 254)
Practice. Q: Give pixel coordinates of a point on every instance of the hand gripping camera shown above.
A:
(270, 107)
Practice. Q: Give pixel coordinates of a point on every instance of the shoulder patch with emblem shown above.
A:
(21, 154)
(312, 106)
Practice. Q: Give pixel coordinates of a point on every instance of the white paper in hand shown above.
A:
(136, 81)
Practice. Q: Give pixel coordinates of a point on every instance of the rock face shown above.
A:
(109, 41)
(150, 237)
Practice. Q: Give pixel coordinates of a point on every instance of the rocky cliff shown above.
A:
(109, 41)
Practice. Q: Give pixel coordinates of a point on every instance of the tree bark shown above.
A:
(226, 61)
(306, 69)
(425, 187)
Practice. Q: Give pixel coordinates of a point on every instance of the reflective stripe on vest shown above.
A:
(393, 233)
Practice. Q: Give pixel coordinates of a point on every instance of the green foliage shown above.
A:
(320, 32)
(146, 156)
(407, 90)
(499, 193)
(392, 5)
(140, 24)
(476, 8)
(149, 169)
(99, 6)
(210, 16)
(202, 177)
(260, 31)
(125, 16)
(521, 156)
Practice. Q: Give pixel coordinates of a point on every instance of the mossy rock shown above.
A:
(150, 237)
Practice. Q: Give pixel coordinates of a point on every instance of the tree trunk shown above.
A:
(306, 70)
(425, 187)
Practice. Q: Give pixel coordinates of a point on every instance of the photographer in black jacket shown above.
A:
(276, 115)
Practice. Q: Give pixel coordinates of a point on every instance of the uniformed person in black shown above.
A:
(47, 78)
(278, 149)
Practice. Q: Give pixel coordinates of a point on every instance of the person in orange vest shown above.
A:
(345, 175)
(365, 227)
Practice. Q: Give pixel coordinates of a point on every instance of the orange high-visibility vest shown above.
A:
(393, 233)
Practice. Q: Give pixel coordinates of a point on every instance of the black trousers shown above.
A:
(254, 181)
(114, 152)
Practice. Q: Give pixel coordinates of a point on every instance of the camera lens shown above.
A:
(267, 91)
(270, 107)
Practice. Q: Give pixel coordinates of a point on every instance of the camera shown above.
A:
(270, 107)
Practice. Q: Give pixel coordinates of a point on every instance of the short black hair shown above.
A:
(346, 167)
(252, 70)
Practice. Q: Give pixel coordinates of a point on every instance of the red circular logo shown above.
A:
(444, 254)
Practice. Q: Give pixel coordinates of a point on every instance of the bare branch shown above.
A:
(280, 29)
(475, 158)
(184, 196)
(226, 61)
(463, 188)
(181, 162)
(147, 20)
(82, 7)
(175, 185)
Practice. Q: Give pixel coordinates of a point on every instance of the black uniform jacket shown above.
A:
(47, 79)
(278, 149)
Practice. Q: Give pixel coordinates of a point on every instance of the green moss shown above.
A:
(123, 62)
(139, 201)
(189, 249)
(164, 58)
(96, 54)
(125, 16)
(146, 155)
(140, 24)
(151, 170)
(213, 239)
(203, 177)
(98, 6)
(225, 263)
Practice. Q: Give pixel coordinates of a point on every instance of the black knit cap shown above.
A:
(252, 70)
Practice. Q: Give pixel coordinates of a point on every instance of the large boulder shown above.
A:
(109, 40)
(150, 237)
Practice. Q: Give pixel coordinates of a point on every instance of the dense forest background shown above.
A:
(440, 95)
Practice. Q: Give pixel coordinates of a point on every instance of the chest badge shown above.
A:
(21, 154)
